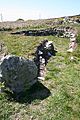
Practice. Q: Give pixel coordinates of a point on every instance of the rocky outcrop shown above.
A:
(18, 74)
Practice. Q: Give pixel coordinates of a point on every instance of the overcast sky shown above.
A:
(37, 9)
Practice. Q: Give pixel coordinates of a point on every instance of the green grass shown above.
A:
(62, 81)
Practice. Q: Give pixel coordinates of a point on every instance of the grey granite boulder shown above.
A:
(18, 73)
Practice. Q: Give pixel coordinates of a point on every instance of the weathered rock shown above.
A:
(18, 73)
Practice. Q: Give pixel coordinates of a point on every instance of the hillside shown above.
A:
(58, 96)
(40, 23)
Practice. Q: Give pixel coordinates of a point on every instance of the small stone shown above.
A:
(70, 50)
(72, 58)
(41, 78)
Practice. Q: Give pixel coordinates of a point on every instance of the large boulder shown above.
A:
(18, 74)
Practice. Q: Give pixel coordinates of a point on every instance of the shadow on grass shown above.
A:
(37, 91)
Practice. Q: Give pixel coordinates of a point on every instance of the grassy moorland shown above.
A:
(55, 98)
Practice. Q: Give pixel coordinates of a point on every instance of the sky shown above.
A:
(11, 10)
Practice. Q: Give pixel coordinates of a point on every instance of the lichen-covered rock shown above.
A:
(18, 73)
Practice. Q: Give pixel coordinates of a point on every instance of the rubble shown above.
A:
(73, 44)
(43, 53)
